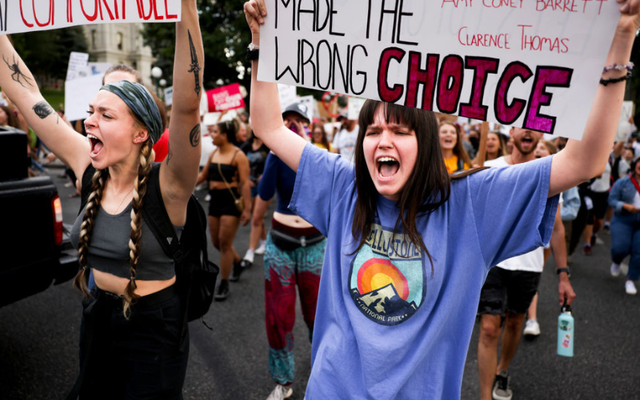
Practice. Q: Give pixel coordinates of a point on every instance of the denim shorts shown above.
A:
(508, 291)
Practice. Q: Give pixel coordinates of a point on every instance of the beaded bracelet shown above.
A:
(617, 67)
(605, 82)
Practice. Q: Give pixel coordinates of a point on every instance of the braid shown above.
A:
(93, 204)
(147, 156)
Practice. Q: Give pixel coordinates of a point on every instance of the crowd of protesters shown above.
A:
(341, 187)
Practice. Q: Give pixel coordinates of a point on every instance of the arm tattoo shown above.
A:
(194, 136)
(195, 67)
(17, 74)
(43, 109)
(169, 155)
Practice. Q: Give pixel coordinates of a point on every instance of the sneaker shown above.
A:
(615, 269)
(501, 390)
(606, 228)
(280, 393)
(531, 328)
(222, 292)
(237, 271)
(630, 288)
(207, 197)
(261, 247)
(249, 255)
(587, 250)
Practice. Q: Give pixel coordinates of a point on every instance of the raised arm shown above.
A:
(265, 102)
(180, 170)
(585, 159)
(20, 86)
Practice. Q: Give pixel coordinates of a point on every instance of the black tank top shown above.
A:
(228, 171)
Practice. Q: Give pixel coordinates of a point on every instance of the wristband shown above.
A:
(561, 270)
(620, 67)
(605, 82)
(253, 54)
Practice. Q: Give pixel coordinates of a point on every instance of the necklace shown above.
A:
(121, 201)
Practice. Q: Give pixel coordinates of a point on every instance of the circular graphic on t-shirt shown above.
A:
(387, 280)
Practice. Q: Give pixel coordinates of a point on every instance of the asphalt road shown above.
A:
(39, 336)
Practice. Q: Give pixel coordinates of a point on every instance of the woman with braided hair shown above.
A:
(134, 341)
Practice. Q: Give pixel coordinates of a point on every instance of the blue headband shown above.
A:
(141, 103)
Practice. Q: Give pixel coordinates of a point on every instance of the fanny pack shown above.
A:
(287, 242)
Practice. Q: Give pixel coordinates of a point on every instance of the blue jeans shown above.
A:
(625, 240)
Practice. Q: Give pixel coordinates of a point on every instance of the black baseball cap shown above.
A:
(298, 108)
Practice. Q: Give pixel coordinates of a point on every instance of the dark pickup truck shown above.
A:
(34, 245)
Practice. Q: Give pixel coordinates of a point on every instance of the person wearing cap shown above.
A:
(344, 141)
(293, 256)
(131, 340)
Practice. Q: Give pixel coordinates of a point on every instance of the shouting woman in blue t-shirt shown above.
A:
(408, 248)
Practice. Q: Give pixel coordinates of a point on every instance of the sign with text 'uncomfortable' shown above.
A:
(18, 16)
(528, 63)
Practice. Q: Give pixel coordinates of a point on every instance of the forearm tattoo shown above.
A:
(43, 109)
(195, 67)
(17, 75)
(194, 136)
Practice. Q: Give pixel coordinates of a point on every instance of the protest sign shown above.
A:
(78, 94)
(287, 95)
(168, 96)
(527, 63)
(225, 98)
(77, 61)
(37, 15)
(624, 125)
(355, 105)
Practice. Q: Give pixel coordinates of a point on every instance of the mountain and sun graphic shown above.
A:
(382, 292)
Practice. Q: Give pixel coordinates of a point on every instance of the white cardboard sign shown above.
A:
(527, 63)
(36, 15)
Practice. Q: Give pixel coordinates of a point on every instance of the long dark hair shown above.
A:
(427, 188)
(459, 150)
(324, 141)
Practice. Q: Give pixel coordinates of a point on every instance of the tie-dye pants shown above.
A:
(283, 270)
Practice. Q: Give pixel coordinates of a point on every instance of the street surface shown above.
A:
(39, 338)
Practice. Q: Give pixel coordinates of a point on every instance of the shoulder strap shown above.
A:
(157, 218)
(87, 178)
(635, 183)
(234, 156)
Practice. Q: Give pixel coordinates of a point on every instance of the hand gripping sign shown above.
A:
(33, 15)
(529, 63)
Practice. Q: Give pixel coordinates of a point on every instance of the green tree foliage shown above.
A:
(225, 36)
(46, 53)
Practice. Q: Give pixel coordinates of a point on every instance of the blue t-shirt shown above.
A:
(386, 326)
(277, 175)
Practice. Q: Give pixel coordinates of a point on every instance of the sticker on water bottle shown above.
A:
(566, 341)
(565, 325)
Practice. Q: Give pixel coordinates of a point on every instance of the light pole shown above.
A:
(156, 73)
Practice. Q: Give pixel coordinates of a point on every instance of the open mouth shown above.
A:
(388, 166)
(96, 145)
(527, 140)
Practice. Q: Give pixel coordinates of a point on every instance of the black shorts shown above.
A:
(599, 206)
(508, 291)
(223, 203)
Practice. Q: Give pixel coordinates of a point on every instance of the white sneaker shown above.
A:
(249, 255)
(261, 247)
(615, 269)
(532, 328)
(207, 197)
(630, 288)
(280, 393)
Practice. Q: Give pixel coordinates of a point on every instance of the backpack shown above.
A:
(195, 274)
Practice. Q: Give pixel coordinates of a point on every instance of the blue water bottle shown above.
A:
(565, 331)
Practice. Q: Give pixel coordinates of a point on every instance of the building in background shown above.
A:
(120, 44)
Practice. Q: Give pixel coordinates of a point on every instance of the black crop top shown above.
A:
(228, 171)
